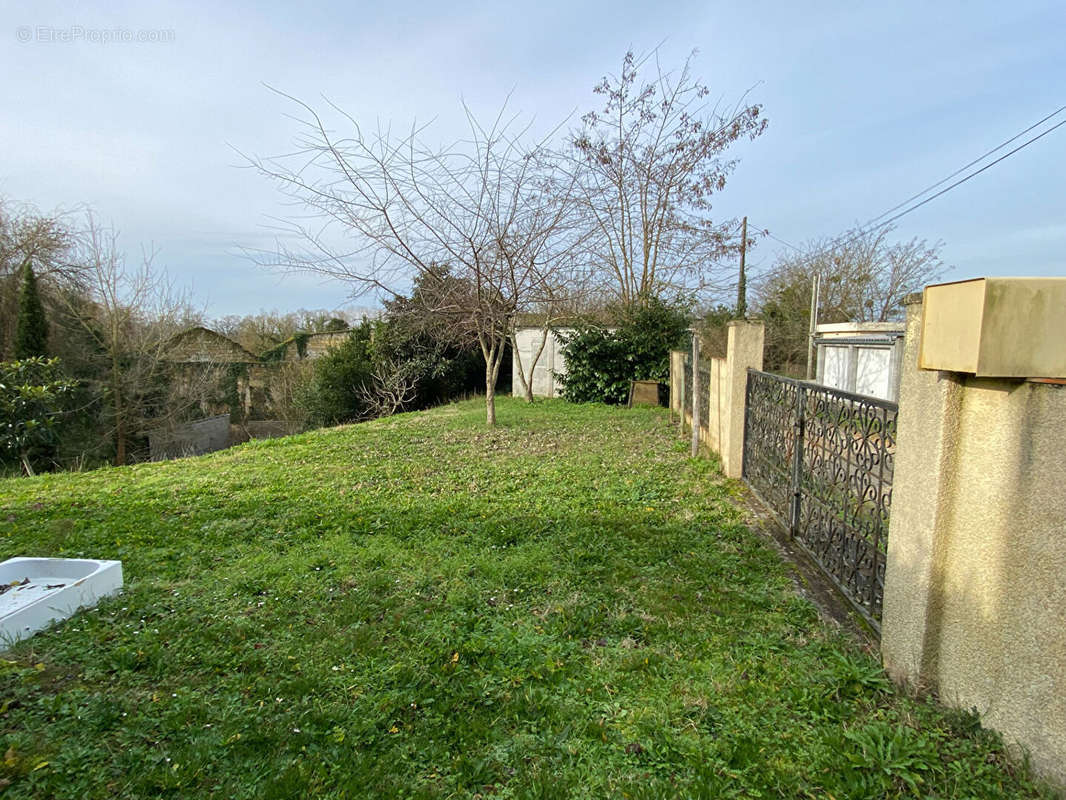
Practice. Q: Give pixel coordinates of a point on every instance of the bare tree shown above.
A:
(393, 385)
(129, 314)
(525, 379)
(650, 161)
(483, 218)
(864, 277)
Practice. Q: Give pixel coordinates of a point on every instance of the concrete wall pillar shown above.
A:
(744, 349)
(677, 379)
(723, 431)
(921, 497)
(976, 568)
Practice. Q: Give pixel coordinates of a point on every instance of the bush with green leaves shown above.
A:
(444, 369)
(35, 395)
(345, 381)
(334, 393)
(601, 362)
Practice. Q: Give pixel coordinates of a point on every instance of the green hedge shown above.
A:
(600, 363)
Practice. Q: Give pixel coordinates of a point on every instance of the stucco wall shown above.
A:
(975, 587)
(318, 344)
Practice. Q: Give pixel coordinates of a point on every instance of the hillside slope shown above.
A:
(419, 607)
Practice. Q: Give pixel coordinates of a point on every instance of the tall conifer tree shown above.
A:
(31, 331)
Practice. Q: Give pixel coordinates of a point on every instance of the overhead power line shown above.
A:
(965, 167)
(971, 175)
(870, 227)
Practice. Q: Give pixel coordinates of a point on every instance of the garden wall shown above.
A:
(975, 584)
(720, 393)
(191, 439)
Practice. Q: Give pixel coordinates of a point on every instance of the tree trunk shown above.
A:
(488, 352)
(533, 366)
(526, 383)
(493, 353)
(520, 370)
(490, 398)
(116, 406)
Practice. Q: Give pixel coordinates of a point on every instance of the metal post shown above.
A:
(813, 327)
(695, 393)
(742, 280)
(681, 402)
(798, 431)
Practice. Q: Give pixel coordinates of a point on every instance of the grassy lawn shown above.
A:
(566, 606)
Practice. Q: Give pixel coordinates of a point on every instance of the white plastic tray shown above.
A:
(46, 590)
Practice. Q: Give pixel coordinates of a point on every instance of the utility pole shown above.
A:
(742, 282)
(813, 327)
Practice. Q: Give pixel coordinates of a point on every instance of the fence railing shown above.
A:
(703, 389)
(822, 461)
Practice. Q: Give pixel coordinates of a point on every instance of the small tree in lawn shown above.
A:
(34, 396)
(388, 209)
(649, 163)
(31, 329)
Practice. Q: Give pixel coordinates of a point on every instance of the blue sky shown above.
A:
(868, 104)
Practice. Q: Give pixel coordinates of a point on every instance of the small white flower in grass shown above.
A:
(295, 730)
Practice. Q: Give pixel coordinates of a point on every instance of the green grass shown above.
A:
(566, 606)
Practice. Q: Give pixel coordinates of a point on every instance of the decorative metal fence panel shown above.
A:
(703, 389)
(769, 433)
(834, 491)
(686, 400)
(705, 398)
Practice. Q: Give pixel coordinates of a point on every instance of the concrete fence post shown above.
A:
(677, 380)
(744, 350)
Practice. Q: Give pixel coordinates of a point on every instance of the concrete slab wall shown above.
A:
(551, 361)
(975, 585)
(191, 439)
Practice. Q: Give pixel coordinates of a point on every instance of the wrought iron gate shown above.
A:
(821, 459)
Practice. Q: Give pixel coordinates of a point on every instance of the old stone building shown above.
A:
(253, 389)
